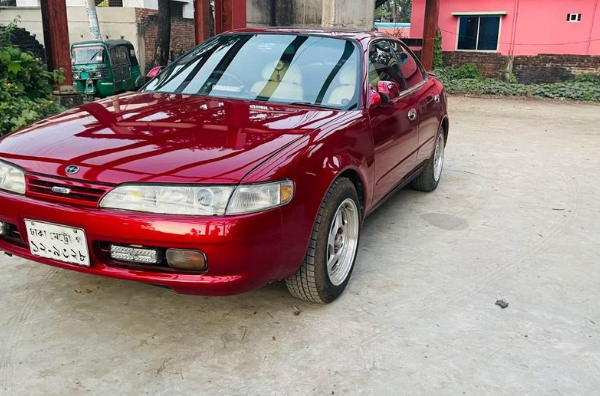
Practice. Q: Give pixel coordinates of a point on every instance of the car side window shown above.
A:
(410, 69)
(383, 64)
(114, 57)
(124, 55)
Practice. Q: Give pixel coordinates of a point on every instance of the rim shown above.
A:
(438, 157)
(342, 242)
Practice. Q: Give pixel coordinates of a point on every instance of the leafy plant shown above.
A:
(25, 85)
(438, 59)
(468, 71)
(583, 91)
(587, 78)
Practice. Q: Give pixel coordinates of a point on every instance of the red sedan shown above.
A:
(254, 157)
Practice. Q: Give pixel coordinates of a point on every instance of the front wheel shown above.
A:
(431, 174)
(329, 261)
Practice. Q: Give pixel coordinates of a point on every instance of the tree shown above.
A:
(163, 37)
(385, 10)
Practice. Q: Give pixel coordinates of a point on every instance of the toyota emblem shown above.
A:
(72, 169)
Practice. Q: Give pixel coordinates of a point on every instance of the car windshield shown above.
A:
(87, 55)
(283, 68)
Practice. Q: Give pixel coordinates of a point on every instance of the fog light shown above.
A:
(1, 228)
(188, 260)
(134, 254)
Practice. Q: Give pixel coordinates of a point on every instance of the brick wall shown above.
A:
(554, 68)
(182, 35)
(541, 68)
(489, 64)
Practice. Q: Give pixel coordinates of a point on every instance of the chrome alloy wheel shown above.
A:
(438, 157)
(342, 242)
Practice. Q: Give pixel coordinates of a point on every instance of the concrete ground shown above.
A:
(516, 217)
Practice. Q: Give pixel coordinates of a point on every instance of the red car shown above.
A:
(254, 157)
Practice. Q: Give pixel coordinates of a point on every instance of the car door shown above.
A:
(126, 68)
(427, 99)
(394, 122)
(115, 60)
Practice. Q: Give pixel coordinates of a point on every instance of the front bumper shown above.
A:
(243, 252)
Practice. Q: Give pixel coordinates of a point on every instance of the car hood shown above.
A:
(151, 137)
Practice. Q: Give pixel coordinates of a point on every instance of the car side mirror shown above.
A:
(388, 88)
(154, 72)
(374, 97)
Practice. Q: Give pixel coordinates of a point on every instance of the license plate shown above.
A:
(58, 242)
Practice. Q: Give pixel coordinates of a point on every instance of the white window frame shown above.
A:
(574, 17)
(478, 16)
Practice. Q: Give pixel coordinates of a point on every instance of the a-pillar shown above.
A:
(356, 14)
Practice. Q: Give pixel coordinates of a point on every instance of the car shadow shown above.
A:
(96, 299)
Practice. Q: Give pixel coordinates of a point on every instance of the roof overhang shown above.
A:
(481, 13)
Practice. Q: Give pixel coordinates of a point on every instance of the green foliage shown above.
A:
(584, 91)
(25, 86)
(403, 9)
(511, 78)
(438, 59)
(587, 77)
(467, 80)
(467, 71)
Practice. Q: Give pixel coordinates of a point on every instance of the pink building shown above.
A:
(516, 27)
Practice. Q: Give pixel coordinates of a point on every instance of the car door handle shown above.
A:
(412, 114)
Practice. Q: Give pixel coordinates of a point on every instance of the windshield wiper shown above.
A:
(310, 104)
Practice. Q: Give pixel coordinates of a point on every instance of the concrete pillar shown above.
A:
(356, 14)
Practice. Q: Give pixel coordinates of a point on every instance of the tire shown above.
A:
(315, 281)
(430, 176)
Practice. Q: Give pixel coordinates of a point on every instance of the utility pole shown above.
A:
(202, 20)
(432, 13)
(56, 39)
(90, 7)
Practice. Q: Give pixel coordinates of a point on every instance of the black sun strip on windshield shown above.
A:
(278, 75)
(348, 51)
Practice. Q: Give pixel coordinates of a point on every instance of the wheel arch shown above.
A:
(445, 124)
(359, 185)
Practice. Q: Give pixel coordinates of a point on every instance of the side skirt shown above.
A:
(399, 187)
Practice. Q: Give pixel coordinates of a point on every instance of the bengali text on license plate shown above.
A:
(58, 242)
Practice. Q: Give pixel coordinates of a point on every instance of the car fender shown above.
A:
(314, 162)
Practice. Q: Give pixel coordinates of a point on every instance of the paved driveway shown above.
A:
(516, 217)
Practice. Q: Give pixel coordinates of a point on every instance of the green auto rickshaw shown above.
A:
(104, 68)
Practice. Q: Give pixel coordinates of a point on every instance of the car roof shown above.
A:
(108, 43)
(359, 35)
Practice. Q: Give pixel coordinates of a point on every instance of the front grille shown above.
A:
(72, 191)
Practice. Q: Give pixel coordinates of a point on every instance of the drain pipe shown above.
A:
(273, 16)
(589, 44)
(511, 50)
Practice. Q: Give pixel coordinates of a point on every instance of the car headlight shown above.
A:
(199, 200)
(184, 200)
(248, 198)
(12, 178)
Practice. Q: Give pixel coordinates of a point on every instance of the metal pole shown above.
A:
(90, 7)
(432, 12)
